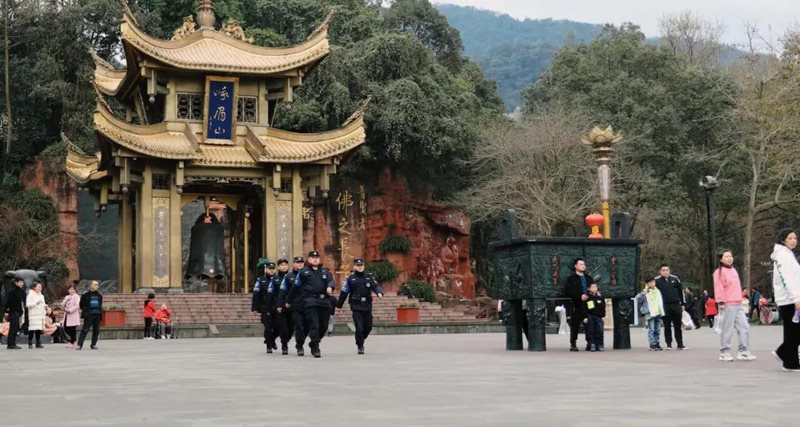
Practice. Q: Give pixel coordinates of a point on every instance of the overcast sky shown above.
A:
(772, 17)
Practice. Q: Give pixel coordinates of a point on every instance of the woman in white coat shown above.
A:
(786, 289)
(37, 310)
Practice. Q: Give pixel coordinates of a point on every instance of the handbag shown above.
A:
(686, 320)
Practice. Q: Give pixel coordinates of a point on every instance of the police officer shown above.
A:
(281, 321)
(315, 284)
(291, 305)
(360, 286)
(262, 300)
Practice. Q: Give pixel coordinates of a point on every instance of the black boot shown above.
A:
(573, 347)
(316, 353)
(284, 349)
(269, 349)
(361, 349)
(300, 352)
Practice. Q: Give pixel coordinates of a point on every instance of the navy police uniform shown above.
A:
(292, 305)
(282, 320)
(314, 285)
(358, 288)
(264, 300)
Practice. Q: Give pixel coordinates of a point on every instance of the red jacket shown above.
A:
(163, 316)
(149, 309)
(711, 307)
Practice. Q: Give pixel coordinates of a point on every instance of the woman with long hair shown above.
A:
(786, 291)
(728, 293)
(72, 316)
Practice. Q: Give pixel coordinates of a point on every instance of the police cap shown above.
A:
(299, 259)
(358, 261)
(313, 254)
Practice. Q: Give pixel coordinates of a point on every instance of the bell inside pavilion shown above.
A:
(205, 186)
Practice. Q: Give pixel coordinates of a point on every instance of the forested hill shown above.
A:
(510, 51)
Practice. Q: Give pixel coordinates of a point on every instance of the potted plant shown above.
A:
(408, 312)
(113, 316)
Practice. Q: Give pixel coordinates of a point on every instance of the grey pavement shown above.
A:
(405, 380)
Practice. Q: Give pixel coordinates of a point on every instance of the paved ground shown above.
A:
(419, 380)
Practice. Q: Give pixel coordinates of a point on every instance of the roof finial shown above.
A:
(205, 14)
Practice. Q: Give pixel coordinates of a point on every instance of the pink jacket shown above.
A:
(727, 287)
(71, 306)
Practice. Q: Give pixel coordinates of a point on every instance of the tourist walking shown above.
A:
(15, 306)
(316, 284)
(672, 294)
(577, 289)
(72, 315)
(37, 310)
(293, 307)
(92, 313)
(711, 311)
(595, 312)
(786, 292)
(728, 292)
(703, 301)
(358, 289)
(148, 312)
(688, 298)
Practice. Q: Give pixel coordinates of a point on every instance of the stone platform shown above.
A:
(419, 380)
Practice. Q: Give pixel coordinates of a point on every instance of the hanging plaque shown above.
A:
(220, 108)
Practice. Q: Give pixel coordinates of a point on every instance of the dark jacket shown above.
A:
(15, 301)
(671, 289)
(689, 299)
(287, 293)
(313, 284)
(273, 289)
(359, 288)
(596, 305)
(260, 301)
(86, 303)
(574, 290)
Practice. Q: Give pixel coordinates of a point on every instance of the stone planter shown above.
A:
(113, 319)
(407, 314)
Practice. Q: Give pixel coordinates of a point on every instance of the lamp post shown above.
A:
(602, 142)
(709, 184)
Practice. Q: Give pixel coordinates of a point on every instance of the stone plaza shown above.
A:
(403, 380)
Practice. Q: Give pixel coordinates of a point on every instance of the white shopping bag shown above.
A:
(718, 323)
(687, 321)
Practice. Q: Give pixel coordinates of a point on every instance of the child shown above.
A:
(596, 311)
(711, 311)
(655, 310)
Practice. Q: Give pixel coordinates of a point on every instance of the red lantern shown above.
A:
(594, 220)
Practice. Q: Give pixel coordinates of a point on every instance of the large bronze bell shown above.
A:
(207, 248)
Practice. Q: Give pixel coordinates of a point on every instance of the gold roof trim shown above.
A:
(210, 50)
(80, 166)
(154, 140)
(107, 78)
(225, 156)
(279, 146)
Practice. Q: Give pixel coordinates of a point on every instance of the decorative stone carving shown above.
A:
(188, 27)
(232, 28)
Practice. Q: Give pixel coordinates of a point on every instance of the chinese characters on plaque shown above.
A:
(220, 111)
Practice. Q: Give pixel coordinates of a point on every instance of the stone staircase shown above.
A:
(234, 309)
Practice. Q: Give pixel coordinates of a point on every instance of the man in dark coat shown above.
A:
(315, 284)
(92, 312)
(359, 287)
(577, 289)
(672, 295)
(261, 302)
(291, 303)
(15, 306)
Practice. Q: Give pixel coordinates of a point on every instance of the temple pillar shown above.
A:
(175, 258)
(125, 243)
(297, 213)
(270, 212)
(144, 231)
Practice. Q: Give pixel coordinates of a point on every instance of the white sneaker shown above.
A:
(790, 370)
(745, 355)
(725, 357)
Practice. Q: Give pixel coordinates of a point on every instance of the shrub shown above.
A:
(113, 307)
(383, 271)
(396, 244)
(418, 289)
(407, 304)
